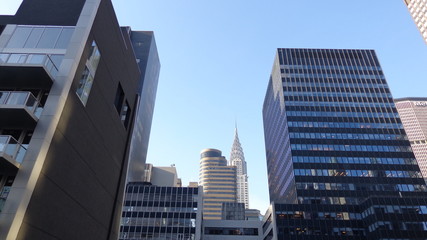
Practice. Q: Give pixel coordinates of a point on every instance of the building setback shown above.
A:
(418, 10)
(237, 158)
(338, 160)
(413, 112)
(157, 212)
(69, 95)
(218, 181)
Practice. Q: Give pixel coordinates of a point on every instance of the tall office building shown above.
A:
(160, 212)
(69, 98)
(413, 112)
(237, 158)
(418, 10)
(218, 181)
(339, 163)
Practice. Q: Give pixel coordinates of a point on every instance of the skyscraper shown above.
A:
(218, 181)
(418, 10)
(413, 112)
(68, 104)
(237, 158)
(339, 163)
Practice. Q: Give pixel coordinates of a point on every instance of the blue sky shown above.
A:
(217, 56)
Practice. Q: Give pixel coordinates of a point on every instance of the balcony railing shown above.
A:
(28, 70)
(17, 99)
(29, 59)
(11, 151)
(19, 110)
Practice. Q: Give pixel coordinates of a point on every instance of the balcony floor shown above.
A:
(24, 76)
(17, 118)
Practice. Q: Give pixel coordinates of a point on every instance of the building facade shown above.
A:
(231, 230)
(237, 158)
(157, 212)
(68, 108)
(218, 181)
(162, 176)
(418, 10)
(413, 112)
(338, 159)
(145, 48)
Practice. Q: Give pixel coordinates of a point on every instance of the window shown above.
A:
(122, 106)
(40, 37)
(88, 74)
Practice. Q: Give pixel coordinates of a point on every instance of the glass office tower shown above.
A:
(339, 162)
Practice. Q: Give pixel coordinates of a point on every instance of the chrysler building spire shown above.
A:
(237, 158)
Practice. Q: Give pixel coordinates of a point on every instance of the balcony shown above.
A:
(11, 152)
(18, 110)
(22, 70)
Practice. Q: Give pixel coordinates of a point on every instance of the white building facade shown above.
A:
(413, 113)
(237, 158)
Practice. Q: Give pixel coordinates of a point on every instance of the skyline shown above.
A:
(210, 51)
(242, 38)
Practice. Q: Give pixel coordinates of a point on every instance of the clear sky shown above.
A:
(216, 59)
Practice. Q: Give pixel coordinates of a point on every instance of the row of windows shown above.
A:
(40, 37)
(348, 136)
(159, 222)
(345, 125)
(332, 57)
(209, 197)
(327, 71)
(361, 187)
(332, 67)
(357, 173)
(218, 184)
(336, 231)
(358, 107)
(335, 84)
(332, 75)
(354, 160)
(330, 200)
(344, 91)
(319, 215)
(405, 226)
(340, 94)
(340, 104)
(159, 209)
(359, 148)
(150, 190)
(395, 209)
(342, 114)
(155, 235)
(231, 231)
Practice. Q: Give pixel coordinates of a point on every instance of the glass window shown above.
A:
(19, 37)
(49, 37)
(64, 38)
(86, 80)
(34, 38)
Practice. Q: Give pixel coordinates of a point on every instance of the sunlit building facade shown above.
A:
(218, 181)
(413, 112)
(418, 10)
(69, 94)
(237, 158)
(339, 162)
(160, 212)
